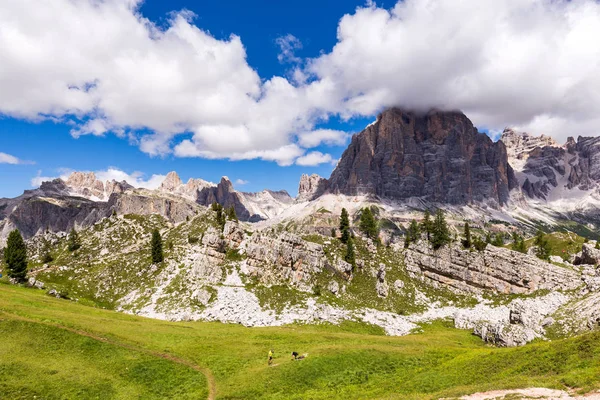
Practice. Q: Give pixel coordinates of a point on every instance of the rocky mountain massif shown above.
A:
(280, 262)
(438, 156)
(549, 171)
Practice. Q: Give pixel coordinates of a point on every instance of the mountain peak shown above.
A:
(171, 182)
(310, 187)
(438, 156)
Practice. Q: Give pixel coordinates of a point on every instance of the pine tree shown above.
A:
(344, 226)
(231, 214)
(498, 240)
(488, 238)
(157, 247)
(479, 243)
(412, 234)
(46, 255)
(333, 233)
(221, 215)
(73, 242)
(467, 241)
(543, 246)
(427, 225)
(350, 256)
(518, 243)
(15, 256)
(368, 224)
(440, 234)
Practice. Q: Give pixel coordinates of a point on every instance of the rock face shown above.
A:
(86, 185)
(173, 185)
(225, 195)
(522, 321)
(496, 268)
(284, 258)
(438, 156)
(310, 187)
(173, 209)
(544, 167)
(588, 255)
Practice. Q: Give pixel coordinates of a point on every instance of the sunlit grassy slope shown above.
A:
(46, 351)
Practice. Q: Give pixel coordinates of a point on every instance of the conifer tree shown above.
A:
(344, 226)
(518, 243)
(46, 255)
(498, 240)
(440, 234)
(488, 238)
(156, 247)
(467, 241)
(350, 256)
(543, 246)
(368, 224)
(479, 243)
(221, 214)
(231, 214)
(412, 234)
(74, 242)
(427, 225)
(15, 256)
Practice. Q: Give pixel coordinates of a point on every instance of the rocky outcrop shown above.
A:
(495, 269)
(543, 166)
(225, 195)
(580, 316)
(516, 324)
(285, 258)
(173, 185)
(520, 144)
(36, 211)
(86, 185)
(589, 255)
(174, 209)
(585, 167)
(311, 187)
(438, 156)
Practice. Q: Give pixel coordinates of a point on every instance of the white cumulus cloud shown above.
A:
(288, 44)
(314, 158)
(241, 182)
(102, 66)
(327, 136)
(9, 159)
(527, 63)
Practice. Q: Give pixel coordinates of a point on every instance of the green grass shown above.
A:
(562, 244)
(353, 361)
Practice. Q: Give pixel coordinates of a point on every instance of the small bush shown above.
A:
(317, 290)
(234, 255)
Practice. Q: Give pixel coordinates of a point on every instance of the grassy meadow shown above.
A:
(58, 349)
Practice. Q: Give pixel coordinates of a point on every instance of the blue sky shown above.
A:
(264, 91)
(50, 147)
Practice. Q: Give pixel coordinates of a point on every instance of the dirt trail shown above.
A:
(212, 387)
(531, 393)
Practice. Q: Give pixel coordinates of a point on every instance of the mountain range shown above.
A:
(421, 160)
(284, 260)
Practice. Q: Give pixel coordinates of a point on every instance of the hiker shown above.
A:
(297, 356)
(270, 356)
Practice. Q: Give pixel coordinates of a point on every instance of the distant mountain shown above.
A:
(82, 200)
(562, 177)
(438, 156)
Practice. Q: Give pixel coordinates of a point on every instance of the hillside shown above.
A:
(125, 356)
